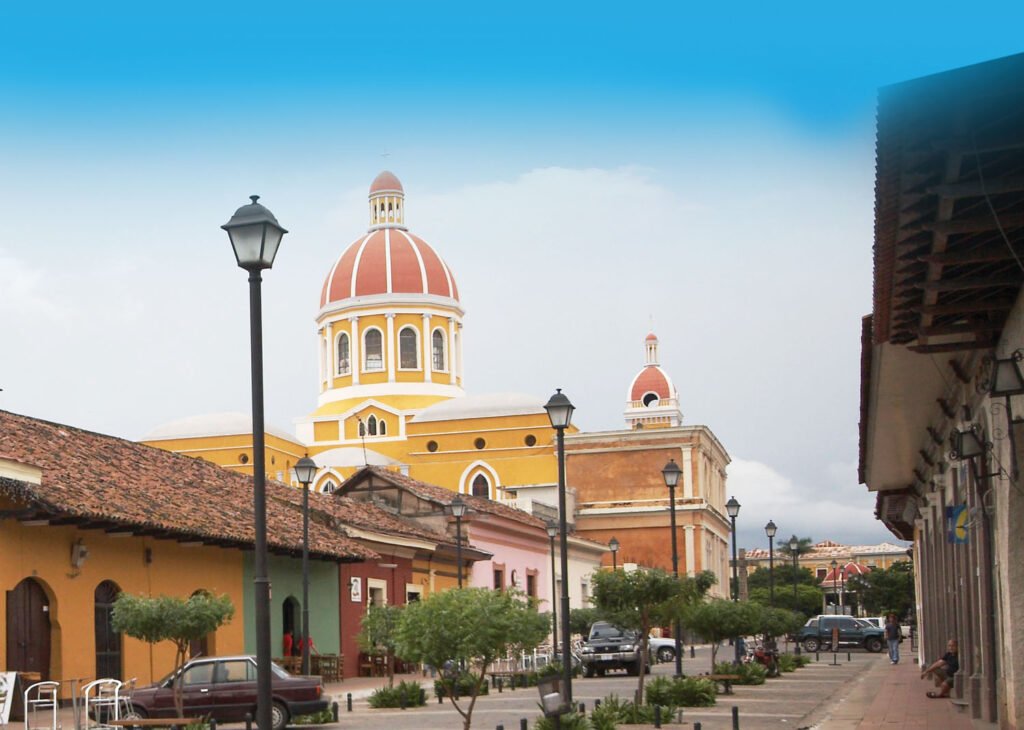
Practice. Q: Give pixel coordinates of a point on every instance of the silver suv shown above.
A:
(610, 647)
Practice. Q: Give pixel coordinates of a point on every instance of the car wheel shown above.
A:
(588, 670)
(873, 644)
(135, 713)
(666, 654)
(278, 716)
(812, 645)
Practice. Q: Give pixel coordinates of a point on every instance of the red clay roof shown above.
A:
(103, 479)
(650, 380)
(443, 496)
(386, 182)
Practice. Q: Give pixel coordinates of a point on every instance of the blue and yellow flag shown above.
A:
(956, 524)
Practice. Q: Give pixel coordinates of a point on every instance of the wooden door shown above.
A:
(28, 629)
(108, 641)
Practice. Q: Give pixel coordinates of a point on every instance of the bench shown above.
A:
(723, 680)
(157, 722)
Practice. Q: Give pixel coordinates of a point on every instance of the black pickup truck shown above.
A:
(609, 647)
(817, 633)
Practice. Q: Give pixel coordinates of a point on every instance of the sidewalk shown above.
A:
(893, 697)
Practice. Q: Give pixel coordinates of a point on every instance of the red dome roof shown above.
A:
(388, 261)
(386, 182)
(650, 380)
(651, 337)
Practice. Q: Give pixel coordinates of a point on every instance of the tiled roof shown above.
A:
(102, 479)
(444, 497)
(829, 549)
(348, 513)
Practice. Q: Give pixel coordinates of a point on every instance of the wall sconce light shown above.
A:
(79, 552)
(970, 444)
(1007, 380)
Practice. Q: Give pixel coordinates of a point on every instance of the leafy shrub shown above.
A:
(614, 711)
(790, 662)
(681, 692)
(404, 693)
(463, 686)
(569, 721)
(323, 717)
(802, 660)
(752, 673)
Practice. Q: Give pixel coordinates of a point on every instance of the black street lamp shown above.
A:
(794, 550)
(255, 236)
(552, 532)
(458, 508)
(835, 589)
(305, 471)
(733, 508)
(560, 409)
(613, 545)
(770, 530)
(671, 473)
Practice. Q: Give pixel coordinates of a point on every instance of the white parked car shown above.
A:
(663, 649)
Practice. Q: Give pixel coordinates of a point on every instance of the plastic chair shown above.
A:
(42, 697)
(125, 697)
(102, 700)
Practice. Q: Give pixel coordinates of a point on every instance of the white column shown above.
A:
(688, 475)
(462, 369)
(428, 363)
(391, 354)
(354, 353)
(332, 354)
(320, 356)
(691, 560)
(453, 368)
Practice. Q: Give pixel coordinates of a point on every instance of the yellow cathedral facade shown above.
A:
(389, 345)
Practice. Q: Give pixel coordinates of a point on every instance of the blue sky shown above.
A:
(707, 169)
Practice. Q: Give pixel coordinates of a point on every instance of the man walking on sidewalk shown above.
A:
(893, 637)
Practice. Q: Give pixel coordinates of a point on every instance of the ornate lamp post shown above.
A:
(255, 237)
(458, 509)
(552, 532)
(770, 530)
(733, 508)
(670, 473)
(305, 470)
(835, 589)
(560, 409)
(794, 548)
(613, 545)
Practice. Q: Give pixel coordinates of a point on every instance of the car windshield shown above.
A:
(607, 631)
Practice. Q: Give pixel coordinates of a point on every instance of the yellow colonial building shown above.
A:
(390, 394)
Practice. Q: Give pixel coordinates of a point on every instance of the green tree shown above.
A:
(581, 619)
(719, 619)
(807, 603)
(885, 591)
(783, 577)
(640, 599)
(471, 627)
(167, 618)
(804, 546)
(377, 635)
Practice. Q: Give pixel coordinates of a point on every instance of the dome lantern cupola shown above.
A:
(387, 202)
(652, 400)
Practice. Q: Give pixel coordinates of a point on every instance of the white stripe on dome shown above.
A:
(387, 260)
(419, 258)
(448, 276)
(330, 279)
(355, 264)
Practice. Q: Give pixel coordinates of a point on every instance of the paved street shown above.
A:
(792, 701)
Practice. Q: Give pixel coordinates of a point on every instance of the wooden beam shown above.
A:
(990, 305)
(969, 225)
(950, 347)
(960, 329)
(974, 188)
(976, 282)
(980, 254)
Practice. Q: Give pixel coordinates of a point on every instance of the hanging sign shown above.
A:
(355, 588)
(956, 524)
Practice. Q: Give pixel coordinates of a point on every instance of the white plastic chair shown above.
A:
(102, 702)
(42, 697)
(125, 696)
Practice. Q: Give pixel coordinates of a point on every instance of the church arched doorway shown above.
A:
(28, 629)
(108, 641)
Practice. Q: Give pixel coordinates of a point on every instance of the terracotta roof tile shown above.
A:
(106, 479)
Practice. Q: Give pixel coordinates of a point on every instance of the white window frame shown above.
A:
(366, 351)
(444, 350)
(337, 358)
(415, 349)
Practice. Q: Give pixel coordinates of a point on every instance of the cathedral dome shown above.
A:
(388, 260)
(651, 382)
(652, 400)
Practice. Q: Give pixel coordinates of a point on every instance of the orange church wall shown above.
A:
(43, 553)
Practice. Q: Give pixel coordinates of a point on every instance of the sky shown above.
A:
(588, 171)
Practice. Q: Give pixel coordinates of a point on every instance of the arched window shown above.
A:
(408, 349)
(373, 346)
(382, 427)
(437, 346)
(344, 366)
(328, 487)
(108, 642)
(371, 425)
(362, 429)
(481, 487)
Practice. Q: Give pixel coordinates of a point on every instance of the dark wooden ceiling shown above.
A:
(949, 207)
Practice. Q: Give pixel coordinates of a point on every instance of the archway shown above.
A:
(108, 641)
(28, 629)
(291, 626)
